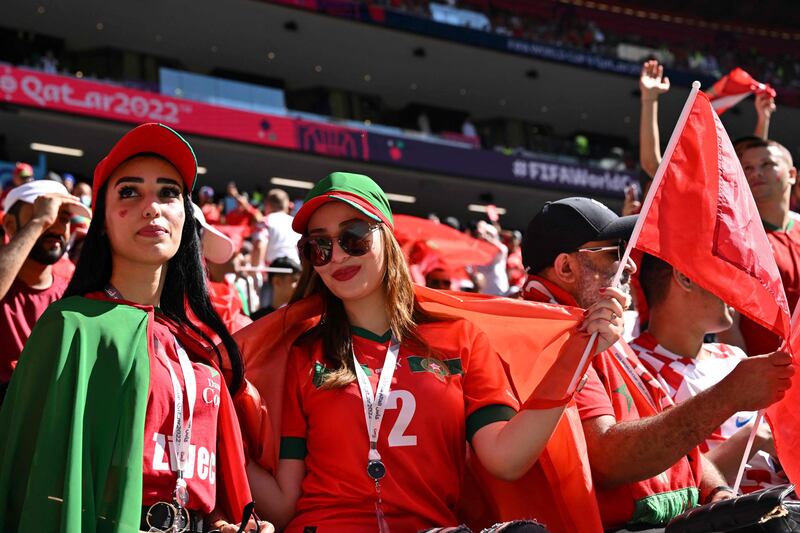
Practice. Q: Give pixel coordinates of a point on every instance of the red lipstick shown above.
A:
(346, 273)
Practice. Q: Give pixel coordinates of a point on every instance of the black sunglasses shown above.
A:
(355, 239)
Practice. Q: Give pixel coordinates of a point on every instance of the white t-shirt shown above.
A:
(282, 238)
(495, 272)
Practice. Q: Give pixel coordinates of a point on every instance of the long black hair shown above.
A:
(185, 281)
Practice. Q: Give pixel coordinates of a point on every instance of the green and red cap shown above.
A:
(149, 138)
(356, 190)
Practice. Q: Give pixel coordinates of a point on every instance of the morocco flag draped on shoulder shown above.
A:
(529, 337)
(701, 218)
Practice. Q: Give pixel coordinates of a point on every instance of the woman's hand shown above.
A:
(604, 317)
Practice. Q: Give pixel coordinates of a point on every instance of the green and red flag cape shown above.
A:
(540, 348)
(71, 444)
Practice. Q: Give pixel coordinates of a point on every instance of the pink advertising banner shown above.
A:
(104, 100)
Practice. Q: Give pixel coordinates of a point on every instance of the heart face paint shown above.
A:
(144, 187)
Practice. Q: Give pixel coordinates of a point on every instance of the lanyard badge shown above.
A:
(374, 406)
(182, 433)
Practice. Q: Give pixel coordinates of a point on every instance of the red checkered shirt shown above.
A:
(685, 377)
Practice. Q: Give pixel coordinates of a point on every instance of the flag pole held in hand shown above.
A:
(760, 418)
(673, 140)
(747, 449)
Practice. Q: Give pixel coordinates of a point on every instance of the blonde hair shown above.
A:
(402, 308)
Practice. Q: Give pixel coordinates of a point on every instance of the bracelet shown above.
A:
(720, 488)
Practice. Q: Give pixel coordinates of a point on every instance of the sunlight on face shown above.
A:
(348, 277)
(144, 211)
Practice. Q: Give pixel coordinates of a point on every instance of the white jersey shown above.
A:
(282, 238)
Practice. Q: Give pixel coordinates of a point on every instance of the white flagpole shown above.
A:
(747, 449)
(648, 201)
(673, 141)
(760, 417)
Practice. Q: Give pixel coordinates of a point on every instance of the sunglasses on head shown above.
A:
(619, 248)
(355, 239)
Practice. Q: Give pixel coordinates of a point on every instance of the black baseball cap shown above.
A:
(285, 265)
(563, 226)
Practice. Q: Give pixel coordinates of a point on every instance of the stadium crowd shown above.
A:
(562, 24)
(172, 353)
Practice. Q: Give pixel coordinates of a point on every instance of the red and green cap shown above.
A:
(151, 138)
(356, 190)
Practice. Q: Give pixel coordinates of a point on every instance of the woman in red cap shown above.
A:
(118, 417)
(382, 397)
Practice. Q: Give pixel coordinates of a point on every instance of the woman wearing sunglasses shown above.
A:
(382, 397)
(117, 417)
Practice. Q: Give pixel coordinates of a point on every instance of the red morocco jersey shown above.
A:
(159, 467)
(435, 406)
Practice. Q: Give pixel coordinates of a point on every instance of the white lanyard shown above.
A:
(181, 435)
(374, 405)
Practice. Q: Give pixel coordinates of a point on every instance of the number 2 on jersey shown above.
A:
(407, 408)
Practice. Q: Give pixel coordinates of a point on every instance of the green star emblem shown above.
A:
(623, 390)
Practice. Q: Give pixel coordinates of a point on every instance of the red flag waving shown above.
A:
(428, 242)
(529, 337)
(701, 218)
(735, 87)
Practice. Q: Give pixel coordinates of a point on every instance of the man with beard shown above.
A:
(37, 222)
(642, 449)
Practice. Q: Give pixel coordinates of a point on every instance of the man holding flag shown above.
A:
(700, 217)
(672, 349)
(643, 451)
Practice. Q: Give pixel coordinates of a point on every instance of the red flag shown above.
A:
(735, 87)
(783, 416)
(529, 337)
(701, 218)
(428, 242)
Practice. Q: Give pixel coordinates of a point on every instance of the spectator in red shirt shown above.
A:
(211, 211)
(771, 173)
(38, 223)
(23, 173)
(514, 266)
(243, 214)
(331, 475)
(642, 449)
(118, 372)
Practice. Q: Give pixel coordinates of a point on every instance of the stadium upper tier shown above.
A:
(614, 36)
